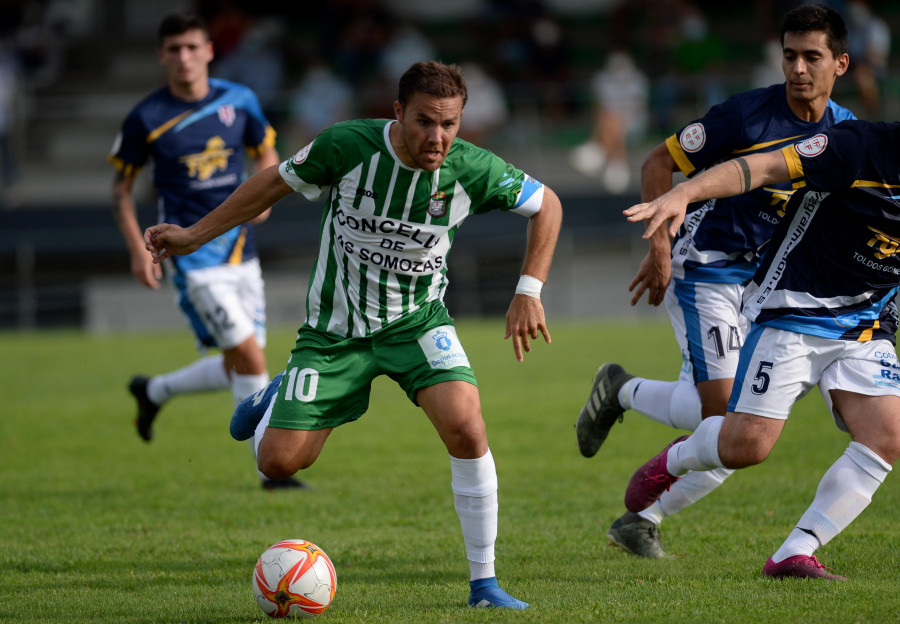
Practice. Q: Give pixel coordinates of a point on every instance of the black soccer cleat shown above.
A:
(284, 484)
(602, 409)
(147, 409)
(636, 535)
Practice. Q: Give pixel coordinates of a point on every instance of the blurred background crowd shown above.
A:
(573, 91)
(597, 76)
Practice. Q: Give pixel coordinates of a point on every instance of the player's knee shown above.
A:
(282, 465)
(886, 446)
(743, 453)
(466, 440)
(277, 468)
(246, 358)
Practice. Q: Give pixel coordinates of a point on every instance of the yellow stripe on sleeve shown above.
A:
(268, 141)
(679, 156)
(128, 171)
(792, 158)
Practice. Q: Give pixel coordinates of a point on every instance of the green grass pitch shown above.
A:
(98, 527)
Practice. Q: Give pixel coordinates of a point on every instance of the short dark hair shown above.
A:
(817, 18)
(432, 78)
(180, 23)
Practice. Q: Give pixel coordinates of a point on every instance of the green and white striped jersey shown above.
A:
(387, 228)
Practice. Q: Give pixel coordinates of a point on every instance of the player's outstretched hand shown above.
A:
(165, 240)
(669, 207)
(524, 319)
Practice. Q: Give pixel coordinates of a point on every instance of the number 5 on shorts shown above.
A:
(762, 378)
(302, 384)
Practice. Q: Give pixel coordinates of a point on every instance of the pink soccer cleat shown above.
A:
(799, 566)
(650, 481)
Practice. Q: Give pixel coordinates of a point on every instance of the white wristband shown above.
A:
(530, 286)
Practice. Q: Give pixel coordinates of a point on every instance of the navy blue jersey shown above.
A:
(721, 238)
(197, 150)
(832, 268)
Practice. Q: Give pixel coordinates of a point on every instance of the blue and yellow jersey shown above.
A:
(832, 267)
(197, 151)
(721, 239)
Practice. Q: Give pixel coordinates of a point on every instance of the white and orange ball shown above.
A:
(294, 578)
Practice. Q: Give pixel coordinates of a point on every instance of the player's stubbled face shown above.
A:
(186, 57)
(810, 68)
(427, 126)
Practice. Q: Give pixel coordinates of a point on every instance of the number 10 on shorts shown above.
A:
(302, 384)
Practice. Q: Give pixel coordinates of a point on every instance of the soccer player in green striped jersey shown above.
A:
(395, 193)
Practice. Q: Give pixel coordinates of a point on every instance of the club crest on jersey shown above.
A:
(227, 115)
(442, 340)
(300, 156)
(813, 146)
(437, 204)
(693, 138)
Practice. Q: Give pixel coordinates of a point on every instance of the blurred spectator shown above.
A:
(679, 54)
(620, 92)
(699, 56)
(256, 60)
(486, 110)
(528, 48)
(39, 47)
(769, 71)
(228, 21)
(870, 46)
(353, 35)
(548, 65)
(9, 92)
(320, 100)
(405, 46)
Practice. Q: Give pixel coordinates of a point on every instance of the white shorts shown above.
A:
(225, 304)
(778, 367)
(709, 328)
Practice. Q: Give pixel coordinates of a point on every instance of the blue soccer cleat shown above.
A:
(486, 594)
(250, 411)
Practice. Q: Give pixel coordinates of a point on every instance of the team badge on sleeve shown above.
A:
(300, 156)
(693, 138)
(813, 146)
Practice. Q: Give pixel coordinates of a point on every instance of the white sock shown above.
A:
(843, 493)
(243, 386)
(474, 485)
(698, 452)
(203, 375)
(685, 492)
(653, 513)
(258, 436)
(672, 403)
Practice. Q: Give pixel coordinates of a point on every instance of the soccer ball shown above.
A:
(294, 578)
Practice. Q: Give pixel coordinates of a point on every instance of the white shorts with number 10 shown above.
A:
(777, 367)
